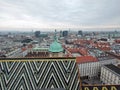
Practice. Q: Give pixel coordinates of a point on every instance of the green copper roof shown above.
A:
(55, 46)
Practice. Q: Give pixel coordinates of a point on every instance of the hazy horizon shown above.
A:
(58, 29)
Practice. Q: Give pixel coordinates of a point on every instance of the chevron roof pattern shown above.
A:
(36, 74)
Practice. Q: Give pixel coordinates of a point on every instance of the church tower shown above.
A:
(55, 49)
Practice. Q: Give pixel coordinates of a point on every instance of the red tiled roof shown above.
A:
(81, 41)
(85, 59)
(105, 48)
(23, 49)
(83, 51)
(117, 40)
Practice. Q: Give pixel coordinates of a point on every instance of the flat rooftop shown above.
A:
(113, 68)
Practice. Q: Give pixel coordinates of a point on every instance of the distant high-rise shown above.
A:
(80, 32)
(37, 33)
(60, 33)
(65, 33)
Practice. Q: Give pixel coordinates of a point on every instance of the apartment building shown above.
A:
(110, 74)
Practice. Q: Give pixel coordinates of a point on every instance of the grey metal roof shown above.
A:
(113, 68)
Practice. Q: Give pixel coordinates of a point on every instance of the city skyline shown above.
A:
(83, 14)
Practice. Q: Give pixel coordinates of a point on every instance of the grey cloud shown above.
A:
(76, 12)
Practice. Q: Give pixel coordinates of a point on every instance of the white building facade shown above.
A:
(93, 69)
(110, 74)
(90, 69)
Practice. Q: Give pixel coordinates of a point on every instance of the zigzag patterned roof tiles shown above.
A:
(39, 74)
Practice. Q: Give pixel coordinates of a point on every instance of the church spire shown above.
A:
(55, 36)
(55, 46)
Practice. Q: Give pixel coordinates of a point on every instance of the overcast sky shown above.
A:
(59, 13)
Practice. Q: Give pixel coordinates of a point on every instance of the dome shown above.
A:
(55, 47)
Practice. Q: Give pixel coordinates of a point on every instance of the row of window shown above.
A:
(89, 69)
(108, 77)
